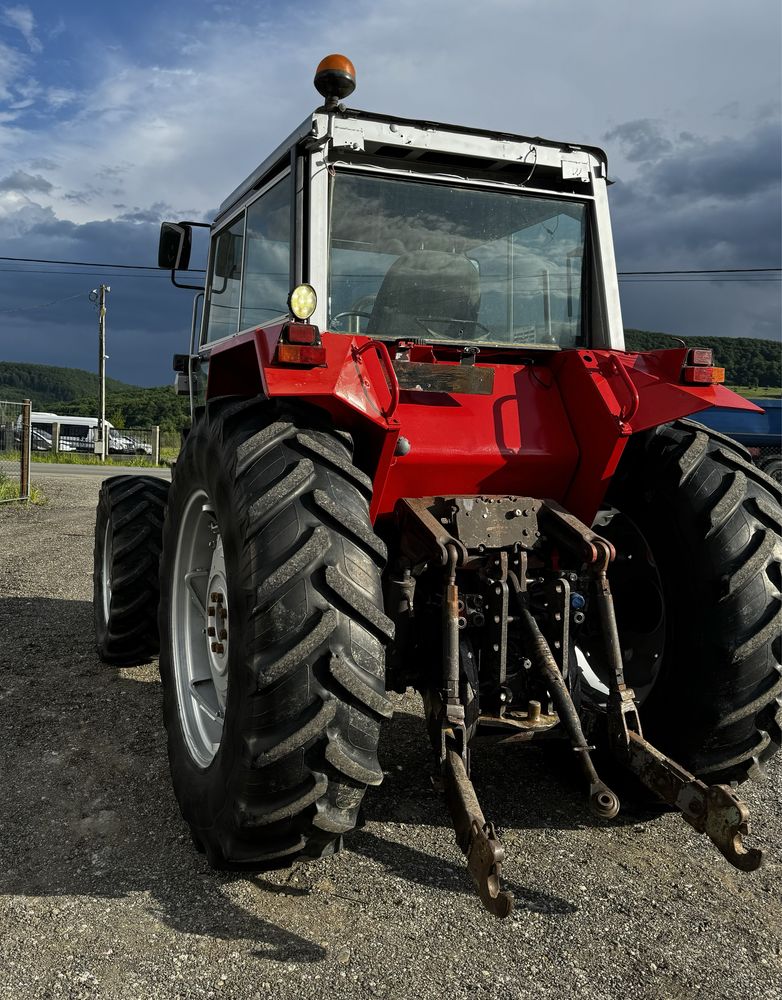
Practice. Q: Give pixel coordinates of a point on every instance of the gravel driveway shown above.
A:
(102, 894)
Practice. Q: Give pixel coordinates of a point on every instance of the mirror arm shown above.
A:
(178, 284)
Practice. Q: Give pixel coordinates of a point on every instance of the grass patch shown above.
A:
(81, 458)
(757, 392)
(9, 490)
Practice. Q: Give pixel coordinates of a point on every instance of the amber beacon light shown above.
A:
(335, 78)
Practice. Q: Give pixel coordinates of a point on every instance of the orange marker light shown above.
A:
(696, 375)
(335, 78)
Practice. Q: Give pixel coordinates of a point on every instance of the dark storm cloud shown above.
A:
(43, 163)
(640, 140)
(148, 319)
(705, 204)
(730, 169)
(21, 182)
(700, 204)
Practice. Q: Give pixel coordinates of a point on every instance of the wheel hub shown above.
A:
(217, 622)
(200, 628)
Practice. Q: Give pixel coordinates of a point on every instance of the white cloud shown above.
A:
(23, 19)
(12, 65)
(235, 86)
(184, 126)
(58, 97)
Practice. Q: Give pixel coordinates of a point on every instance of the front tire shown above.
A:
(128, 537)
(712, 524)
(272, 739)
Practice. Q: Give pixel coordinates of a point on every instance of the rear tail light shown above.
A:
(703, 376)
(300, 354)
(700, 370)
(300, 344)
(301, 333)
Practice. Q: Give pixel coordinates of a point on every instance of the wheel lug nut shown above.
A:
(220, 647)
(210, 631)
(211, 611)
(223, 633)
(214, 596)
(223, 613)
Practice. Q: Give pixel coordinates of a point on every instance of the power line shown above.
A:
(86, 263)
(50, 270)
(684, 281)
(42, 305)
(199, 270)
(705, 270)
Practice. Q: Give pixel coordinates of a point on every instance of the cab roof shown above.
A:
(352, 129)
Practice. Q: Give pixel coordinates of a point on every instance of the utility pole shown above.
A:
(98, 296)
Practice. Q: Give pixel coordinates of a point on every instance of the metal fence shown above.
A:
(74, 437)
(14, 450)
(135, 442)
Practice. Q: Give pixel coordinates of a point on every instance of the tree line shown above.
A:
(747, 361)
(74, 392)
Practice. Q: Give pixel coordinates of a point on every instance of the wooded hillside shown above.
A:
(746, 361)
(73, 391)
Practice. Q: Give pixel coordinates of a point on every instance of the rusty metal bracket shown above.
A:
(422, 534)
(715, 810)
(562, 526)
(476, 837)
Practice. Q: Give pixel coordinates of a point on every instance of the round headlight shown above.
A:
(302, 301)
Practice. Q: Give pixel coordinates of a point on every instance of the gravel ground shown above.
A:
(102, 894)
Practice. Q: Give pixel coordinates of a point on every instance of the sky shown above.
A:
(115, 117)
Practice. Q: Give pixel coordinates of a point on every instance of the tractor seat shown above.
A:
(427, 290)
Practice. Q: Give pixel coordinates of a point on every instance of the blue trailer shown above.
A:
(760, 433)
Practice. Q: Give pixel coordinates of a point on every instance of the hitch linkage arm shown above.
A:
(715, 810)
(474, 835)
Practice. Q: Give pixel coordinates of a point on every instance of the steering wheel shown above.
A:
(349, 312)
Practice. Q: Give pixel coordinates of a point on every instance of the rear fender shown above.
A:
(351, 388)
(611, 395)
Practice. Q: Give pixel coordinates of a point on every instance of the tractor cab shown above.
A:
(417, 231)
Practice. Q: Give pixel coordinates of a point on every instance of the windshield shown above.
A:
(411, 259)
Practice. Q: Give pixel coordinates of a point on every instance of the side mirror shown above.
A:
(174, 247)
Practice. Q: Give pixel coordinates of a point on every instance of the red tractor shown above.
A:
(421, 457)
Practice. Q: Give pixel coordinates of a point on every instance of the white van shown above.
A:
(76, 433)
(41, 432)
(79, 434)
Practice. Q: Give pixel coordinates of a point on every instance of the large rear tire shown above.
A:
(274, 719)
(128, 536)
(712, 524)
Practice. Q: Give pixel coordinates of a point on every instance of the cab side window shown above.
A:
(267, 279)
(250, 271)
(225, 281)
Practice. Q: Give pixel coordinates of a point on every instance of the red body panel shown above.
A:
(556, 428)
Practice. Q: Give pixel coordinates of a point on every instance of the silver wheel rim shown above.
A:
(106, 571)
(199, 629)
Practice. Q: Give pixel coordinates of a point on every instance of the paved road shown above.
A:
(103, 896)
(40, 471)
